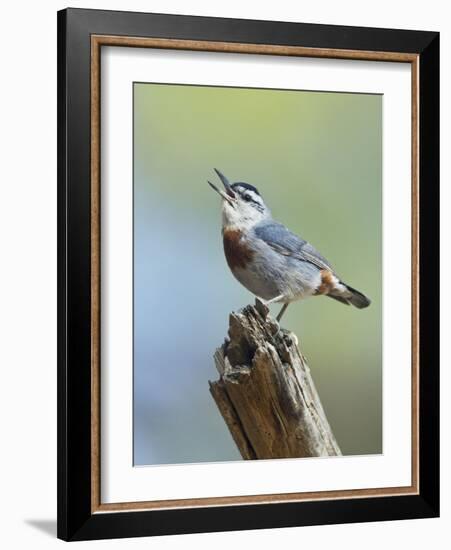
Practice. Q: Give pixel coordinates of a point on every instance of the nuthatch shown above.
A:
(269, 260)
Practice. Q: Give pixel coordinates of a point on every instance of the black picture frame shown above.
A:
(76, 521)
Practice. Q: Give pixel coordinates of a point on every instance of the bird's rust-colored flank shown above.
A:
(327, 282)
(237, 253)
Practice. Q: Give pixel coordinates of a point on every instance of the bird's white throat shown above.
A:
(241, 216)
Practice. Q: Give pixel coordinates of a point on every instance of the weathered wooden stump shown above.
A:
(265, 392)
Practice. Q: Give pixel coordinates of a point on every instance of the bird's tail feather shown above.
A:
(350, 296)
(339, 299)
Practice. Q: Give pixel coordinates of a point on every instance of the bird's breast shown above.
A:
(237, 252)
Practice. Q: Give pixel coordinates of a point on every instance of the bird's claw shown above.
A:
(288, 337)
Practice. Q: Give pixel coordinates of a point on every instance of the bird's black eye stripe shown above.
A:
(245, 195)
(246, 191)
(249, 198)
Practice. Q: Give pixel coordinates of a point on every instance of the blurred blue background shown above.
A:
(316, 158)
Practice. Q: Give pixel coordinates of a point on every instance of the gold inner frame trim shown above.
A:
(97, 41)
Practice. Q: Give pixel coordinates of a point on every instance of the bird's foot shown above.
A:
(286, 335)
(278, 331)
(290, 338)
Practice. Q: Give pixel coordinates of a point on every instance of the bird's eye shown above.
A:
(247, 197)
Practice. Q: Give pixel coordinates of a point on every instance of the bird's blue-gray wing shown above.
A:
(283, 241)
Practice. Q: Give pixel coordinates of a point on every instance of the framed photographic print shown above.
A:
(248, 274)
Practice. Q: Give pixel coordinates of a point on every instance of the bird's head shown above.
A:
(242, 204)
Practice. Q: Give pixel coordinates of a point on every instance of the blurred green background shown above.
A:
(316, 158)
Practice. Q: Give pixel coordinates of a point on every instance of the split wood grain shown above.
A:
(265, 392)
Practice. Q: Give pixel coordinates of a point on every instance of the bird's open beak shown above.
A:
(228, 194)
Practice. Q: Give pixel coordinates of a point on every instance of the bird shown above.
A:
(268, 259)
